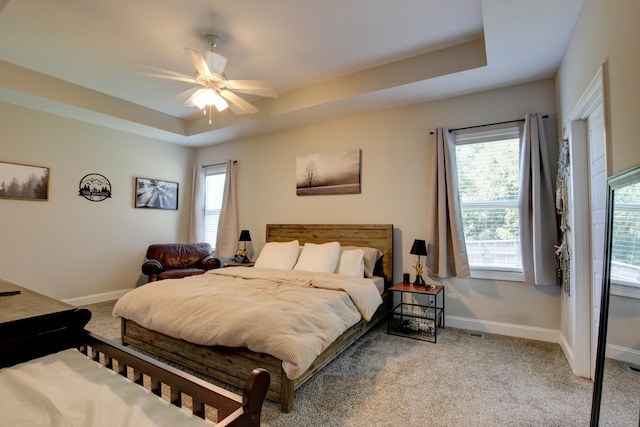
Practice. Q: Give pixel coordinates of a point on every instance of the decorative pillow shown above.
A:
(278, 255)
(351, 263)
(371, 257)
(319, 258)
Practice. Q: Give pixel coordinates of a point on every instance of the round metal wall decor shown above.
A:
(95, 187)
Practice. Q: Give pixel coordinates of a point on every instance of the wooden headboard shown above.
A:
(371, 235)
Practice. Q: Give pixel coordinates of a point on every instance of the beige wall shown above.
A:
(605, 32)
(396, 165)
(69, 247)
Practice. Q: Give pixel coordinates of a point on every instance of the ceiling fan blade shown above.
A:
(180, 79)
(236, 110)
(165, 74)
(187, 93)
(189, 102)
(215, 62)
(239, 102)
(198, 61)
(253, 87)
(259, 92)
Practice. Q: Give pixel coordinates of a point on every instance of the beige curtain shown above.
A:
(227, 241)
(446, 249)
(538, 222)
(196, 225)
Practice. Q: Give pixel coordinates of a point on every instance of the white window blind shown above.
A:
(488, 183)
(214, 189)
(625, 250)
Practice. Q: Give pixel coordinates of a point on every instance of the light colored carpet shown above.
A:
(620, 395)
(463, 380)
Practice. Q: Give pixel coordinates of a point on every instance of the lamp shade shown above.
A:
(419, 248)
(244, 236)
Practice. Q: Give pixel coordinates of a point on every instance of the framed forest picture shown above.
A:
(24, 182)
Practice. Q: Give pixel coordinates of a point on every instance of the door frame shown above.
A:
(580, 282)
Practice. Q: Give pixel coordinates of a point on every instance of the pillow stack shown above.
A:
(329, 257)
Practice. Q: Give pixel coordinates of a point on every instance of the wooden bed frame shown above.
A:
(36, 337)
(231, 365)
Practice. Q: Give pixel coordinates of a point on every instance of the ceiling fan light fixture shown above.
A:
(204, 98)
(221, 104)
(209, 98)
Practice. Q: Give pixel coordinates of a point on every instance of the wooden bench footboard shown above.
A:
(232, 409)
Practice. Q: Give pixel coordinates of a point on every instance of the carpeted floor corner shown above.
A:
(463, 380)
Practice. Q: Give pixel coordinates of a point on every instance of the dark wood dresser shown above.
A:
(23, 318)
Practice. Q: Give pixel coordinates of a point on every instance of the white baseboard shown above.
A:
(568, 352)
(581, 371)
(96, 298)
(623, 354)
(508, 329)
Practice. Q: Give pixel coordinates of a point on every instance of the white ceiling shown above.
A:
(328, 59)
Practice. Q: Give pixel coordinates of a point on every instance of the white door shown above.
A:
(598, 205)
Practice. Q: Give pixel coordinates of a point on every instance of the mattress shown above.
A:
(69, 389)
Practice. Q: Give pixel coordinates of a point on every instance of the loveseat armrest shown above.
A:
(209, 263)
(152, 267)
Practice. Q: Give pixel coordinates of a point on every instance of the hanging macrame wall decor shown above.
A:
(563, 254)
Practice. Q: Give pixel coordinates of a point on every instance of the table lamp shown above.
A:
(245, 237)
(419, 248)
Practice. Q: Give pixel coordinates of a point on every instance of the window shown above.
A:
(488, 167)
(214, 189)
(625, 249)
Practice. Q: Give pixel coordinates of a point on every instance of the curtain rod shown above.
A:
(488, 124)
(218, 164)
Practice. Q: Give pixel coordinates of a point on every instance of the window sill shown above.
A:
(507, 276)
(625, 291)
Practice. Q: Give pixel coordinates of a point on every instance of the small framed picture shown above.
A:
(23, 182)
(156, 194)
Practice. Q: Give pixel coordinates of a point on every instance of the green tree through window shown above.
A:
(488, 170)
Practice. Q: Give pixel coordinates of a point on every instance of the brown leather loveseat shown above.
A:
(176, 260)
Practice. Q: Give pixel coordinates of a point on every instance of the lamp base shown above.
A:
(419, 281)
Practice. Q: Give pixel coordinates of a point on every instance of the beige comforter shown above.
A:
(292, 315)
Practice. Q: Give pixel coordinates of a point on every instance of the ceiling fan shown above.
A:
(214, 89)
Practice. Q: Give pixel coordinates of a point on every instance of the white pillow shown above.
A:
(319, 258)
(371, 257)
(351, 263)
(278, 255)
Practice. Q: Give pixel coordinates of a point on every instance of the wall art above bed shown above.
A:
(156, 194)
(328, 173)
(23, 182)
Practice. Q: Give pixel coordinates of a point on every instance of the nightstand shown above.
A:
(414, 320)
(238, 264)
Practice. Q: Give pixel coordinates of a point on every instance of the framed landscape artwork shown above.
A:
(328, 173)
(156, 194)
(24, 182)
